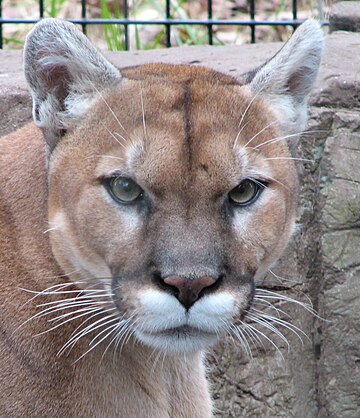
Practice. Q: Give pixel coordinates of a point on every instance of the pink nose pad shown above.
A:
(188, 290)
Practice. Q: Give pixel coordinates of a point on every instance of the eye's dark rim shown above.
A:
(107, 182)
(260, 185)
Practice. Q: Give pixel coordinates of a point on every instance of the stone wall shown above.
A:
(320, 375)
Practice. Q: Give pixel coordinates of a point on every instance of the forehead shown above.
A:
(174, 124)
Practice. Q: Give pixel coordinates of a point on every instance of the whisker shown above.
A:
(80, 297)
(271, 306)
(260, 132)
(44, 292)
(116, 139)
(281, 138)
(111, 327)
(267, 177)
(103, 331)
(100, 312)
(82, 332)
(54, 309)
(285, 324)
(257, 331)
(282, 279)
(249, 105)
(143, 113)
(268, 294)
(252, 334)
(259, 320)
(65, 315)
(87, 312)
(109, 156)
(108, 106)
(120, 325)
(120, 136)
(54, 228)
(239, 133)
(238, 332)
(290, 158)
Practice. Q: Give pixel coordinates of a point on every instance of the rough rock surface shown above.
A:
(320, 375)
(345, 15)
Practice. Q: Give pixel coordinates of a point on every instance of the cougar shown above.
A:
(137, 212)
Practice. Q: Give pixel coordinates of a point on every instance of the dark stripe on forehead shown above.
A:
(187, 124)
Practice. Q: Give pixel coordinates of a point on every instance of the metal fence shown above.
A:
(168, 22)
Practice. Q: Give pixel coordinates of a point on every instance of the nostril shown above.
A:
(160, 282)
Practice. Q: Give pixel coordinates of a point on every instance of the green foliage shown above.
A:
(52, 8)
(114, 34)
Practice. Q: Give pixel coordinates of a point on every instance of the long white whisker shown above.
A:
(239, 133)
(116, 139)
(120, 325)
(108, 106)
(268, 305)
(266, 338)
(111, 327)
(79, 298)
(245, 112)
(282, 279)
(143, 113)
(240, 335)
(259, 320)
(82, 332)
(268, 294)
(251, 333)
(98, 335)
(87, 312)
(111, 156)
(287, 325)
(281, 138)
(290, 158)
(260, 132)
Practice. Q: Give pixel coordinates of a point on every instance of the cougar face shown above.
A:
(176, 206)
(170, 187)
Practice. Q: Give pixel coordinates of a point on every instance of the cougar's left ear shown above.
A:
(65, 73)
(285, 81)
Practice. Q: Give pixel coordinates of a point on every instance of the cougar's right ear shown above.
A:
(65, 73)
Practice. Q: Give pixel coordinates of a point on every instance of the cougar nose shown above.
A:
(187, 291)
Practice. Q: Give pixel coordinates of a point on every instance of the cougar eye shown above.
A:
(246, 192)
(124, 190)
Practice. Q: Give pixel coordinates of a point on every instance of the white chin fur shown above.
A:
(164, 324)
(178, 342)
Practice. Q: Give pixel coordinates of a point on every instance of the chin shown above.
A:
(183, 339)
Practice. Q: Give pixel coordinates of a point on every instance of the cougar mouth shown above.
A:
(183, 330)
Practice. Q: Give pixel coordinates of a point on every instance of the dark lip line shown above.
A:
(183, 329)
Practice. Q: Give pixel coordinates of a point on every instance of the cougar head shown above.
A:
(170, 187)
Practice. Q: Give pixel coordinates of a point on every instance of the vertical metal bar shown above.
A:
(83, 15)
(294, 12)
(252, 17)
(126, 26)
(41, 8)
(210, 28)
(168, 27)
(1, 27)
(294, 9)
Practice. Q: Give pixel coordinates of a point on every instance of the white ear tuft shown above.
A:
(65, 73)
(286, 80)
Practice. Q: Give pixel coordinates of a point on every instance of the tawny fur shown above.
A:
(187, 136)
